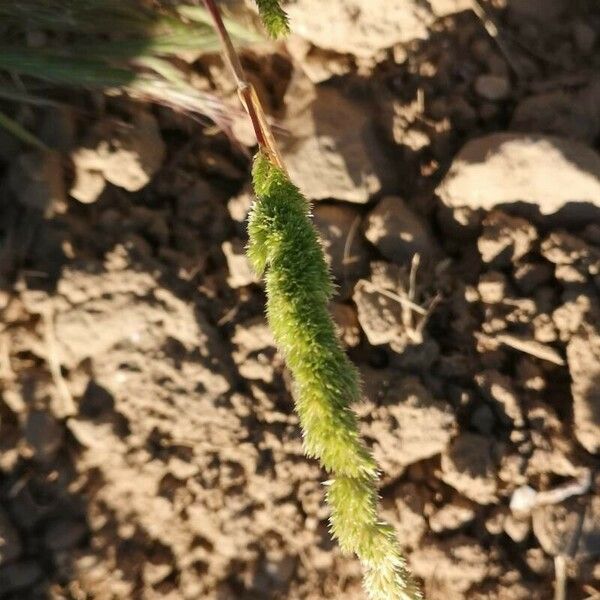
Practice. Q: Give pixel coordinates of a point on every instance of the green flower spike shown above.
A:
(284, 247)
(273, 17)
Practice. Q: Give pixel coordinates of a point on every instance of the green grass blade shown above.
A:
(58, 69)
(18, 131)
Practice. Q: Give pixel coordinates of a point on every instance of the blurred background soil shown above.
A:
(148, 444)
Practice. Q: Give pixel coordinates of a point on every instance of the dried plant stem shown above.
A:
(494, 33)
(246, 91)
(560, 568)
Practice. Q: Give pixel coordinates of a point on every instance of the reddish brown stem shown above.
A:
(246, 91)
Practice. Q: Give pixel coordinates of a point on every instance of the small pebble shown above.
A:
(492, 87)
(241, 272)
(517, 529)
(523, 500)
(492, 287)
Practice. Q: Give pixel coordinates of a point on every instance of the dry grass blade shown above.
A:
(110, 45)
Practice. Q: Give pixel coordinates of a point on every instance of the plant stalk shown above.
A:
(284, 248)
(246, 91)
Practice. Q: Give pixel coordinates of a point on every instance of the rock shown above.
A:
(517, 529)
(408, 426)
(301, 93)
(380, 313)
(456, 563)
(569, 317)
(561, 113)
(351, 27)
(412, 138)
(332, 160)
(126, 155)
(88, 184)
(537, 560)
(44, 434)
(10, 542)
(514, 465)
(347, 325)
(344, 245)
(443, 8)
(583, 356)
(494, 521)
(241, 272)
(405, 513)
(492, 87)
(137, 154)
(17, 577)
(398, 232)
(155, 573)
(498, 390)
(505, 239)
(239, 205)
(317, 65)
(254, 351)
(452, 516)
(469, 466)
(79, 336)
(93, 434)
(554, 451)
(64, 534)
(538, 176)
(36, 179)
(575, 260)
(492, 287)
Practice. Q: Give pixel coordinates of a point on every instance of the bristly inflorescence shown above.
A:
(273, 17)
(284, 247)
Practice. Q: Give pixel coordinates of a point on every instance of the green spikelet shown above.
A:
(284, 247)
(273, 17)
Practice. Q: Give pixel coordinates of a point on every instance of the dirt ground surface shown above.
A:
(148, 444)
